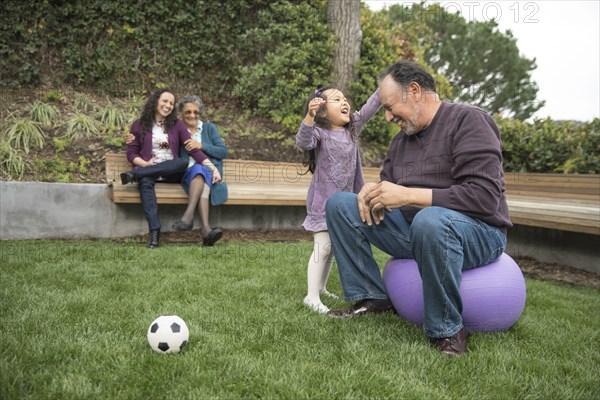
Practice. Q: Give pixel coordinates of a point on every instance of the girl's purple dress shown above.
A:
(338, 162)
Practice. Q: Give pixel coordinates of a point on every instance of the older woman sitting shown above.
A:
(197, 181)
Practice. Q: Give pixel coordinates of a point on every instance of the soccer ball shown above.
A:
(168, 334)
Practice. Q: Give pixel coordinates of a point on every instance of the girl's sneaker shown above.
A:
(330, 295)
(318, 307)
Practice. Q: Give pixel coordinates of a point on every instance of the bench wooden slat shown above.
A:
(532, 178)
(568, 196)
(554, 201)
(519, 219)
(574, 216)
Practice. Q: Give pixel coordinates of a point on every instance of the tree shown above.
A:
(481, 63)
(344, 17)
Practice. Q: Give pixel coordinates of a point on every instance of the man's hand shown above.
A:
(384, 196)
(375, 199)
(363, 206)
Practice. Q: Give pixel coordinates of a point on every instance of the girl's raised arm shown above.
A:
(368, 111)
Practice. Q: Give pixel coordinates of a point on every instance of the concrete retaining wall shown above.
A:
(33, 210)
(577, 250)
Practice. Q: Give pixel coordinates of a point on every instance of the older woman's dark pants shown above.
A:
(171, 171)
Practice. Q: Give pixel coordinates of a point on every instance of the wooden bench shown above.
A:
(555, 201)
(249, 183)
(568, 202)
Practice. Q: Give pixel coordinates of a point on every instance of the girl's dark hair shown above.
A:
(322, 121)
(149, 114)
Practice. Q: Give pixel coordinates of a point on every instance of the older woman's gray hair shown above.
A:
(191, 99)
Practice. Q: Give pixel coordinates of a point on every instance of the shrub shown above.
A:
(84, 103)
(43, 113)
(119, 46)
(133, 106)
(84, 165)
(53, 95)
(11, 162)
(60, 144)
(112, 116)
(25, 134)
(384, 43)
(80, 126)
(54, 170)
(59, 170)
(294, 47)
(115, 137)
(380, 47)
(548, 146)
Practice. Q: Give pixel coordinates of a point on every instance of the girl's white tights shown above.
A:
(318, 270)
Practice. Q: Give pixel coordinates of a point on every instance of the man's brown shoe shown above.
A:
(453, 346)
(359, 308)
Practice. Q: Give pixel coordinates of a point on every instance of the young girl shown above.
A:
(330, 133)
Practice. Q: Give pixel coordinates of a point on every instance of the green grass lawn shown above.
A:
(74, 317)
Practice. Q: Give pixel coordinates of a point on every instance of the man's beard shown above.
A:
(411, 124)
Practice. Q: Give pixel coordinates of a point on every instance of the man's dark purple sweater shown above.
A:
(459, 156)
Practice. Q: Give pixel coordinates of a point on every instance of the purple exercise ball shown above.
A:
(493, 296)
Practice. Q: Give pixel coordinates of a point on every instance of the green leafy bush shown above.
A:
(548, 146)
(122, 46)
(115, 137)
(53, 95)
(385, 42)
(294, 47)
(59, 170)
(380, 47)
(60, 144)
(84, 165)
(268, 55)
(54, 170)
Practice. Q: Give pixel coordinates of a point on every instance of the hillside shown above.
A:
(81, 159)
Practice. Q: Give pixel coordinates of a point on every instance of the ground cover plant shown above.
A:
(75, 313)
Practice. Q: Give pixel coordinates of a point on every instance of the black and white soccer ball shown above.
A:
(168, 334)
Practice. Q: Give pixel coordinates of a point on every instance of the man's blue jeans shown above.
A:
(442, 242)
(171, 171)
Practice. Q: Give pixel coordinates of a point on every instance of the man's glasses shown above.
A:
(190, 112)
